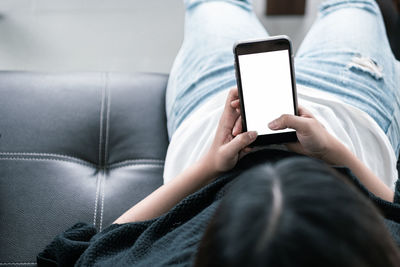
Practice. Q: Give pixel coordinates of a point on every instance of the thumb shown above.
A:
(289, 121)
(240, 142)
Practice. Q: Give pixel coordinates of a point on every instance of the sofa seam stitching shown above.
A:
(15, 263)
(101, 123)
(137, 164)
(46, 155)
(96, 200)
(111, 166)
(45, 159)
(108, 94)
(100, 149)
(103, 180)
(137, 161)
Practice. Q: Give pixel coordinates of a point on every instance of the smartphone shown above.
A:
(267, 87)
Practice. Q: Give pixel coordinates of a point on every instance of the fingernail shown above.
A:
(253, 135)
(273, 125)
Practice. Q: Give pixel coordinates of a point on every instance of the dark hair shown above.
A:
(297, 212)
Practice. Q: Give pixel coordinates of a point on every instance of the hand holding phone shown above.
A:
(267, 88)
(228, 147)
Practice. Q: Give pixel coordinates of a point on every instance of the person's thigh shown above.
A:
(347, 53)
(204, 65)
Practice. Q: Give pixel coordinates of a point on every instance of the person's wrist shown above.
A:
(208, 165)
(335, 152)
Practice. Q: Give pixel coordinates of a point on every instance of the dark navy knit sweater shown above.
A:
(171, 239)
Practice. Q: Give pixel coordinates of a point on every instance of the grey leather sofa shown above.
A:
(74, 147)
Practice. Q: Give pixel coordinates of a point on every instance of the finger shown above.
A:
(300, 124)
(244, 152)
(235, 92)
(247, 149)
(232, 95)
(240, 142)
(304, 112)
(237, 129)
(235, 104)
(229, 115)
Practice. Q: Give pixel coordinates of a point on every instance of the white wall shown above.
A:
(106, 35)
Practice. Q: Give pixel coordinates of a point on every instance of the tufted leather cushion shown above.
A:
(74, 147)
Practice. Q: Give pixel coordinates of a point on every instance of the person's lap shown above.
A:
(345, 53)
(204, 64)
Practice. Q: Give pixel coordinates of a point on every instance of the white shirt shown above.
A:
(353, 127)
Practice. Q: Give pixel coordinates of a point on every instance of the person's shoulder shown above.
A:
(390, 210)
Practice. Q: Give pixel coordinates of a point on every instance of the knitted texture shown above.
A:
(171, 239)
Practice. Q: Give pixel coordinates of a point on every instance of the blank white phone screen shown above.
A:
(267, 89)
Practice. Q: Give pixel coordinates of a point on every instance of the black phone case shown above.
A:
(258, 46)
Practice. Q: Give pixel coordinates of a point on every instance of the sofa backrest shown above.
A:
(75, 147)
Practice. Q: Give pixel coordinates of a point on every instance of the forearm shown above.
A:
(341, 155)
(168, 195)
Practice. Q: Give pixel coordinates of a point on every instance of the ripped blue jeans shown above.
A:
(346, 53)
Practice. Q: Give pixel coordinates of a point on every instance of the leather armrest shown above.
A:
(75, 147)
